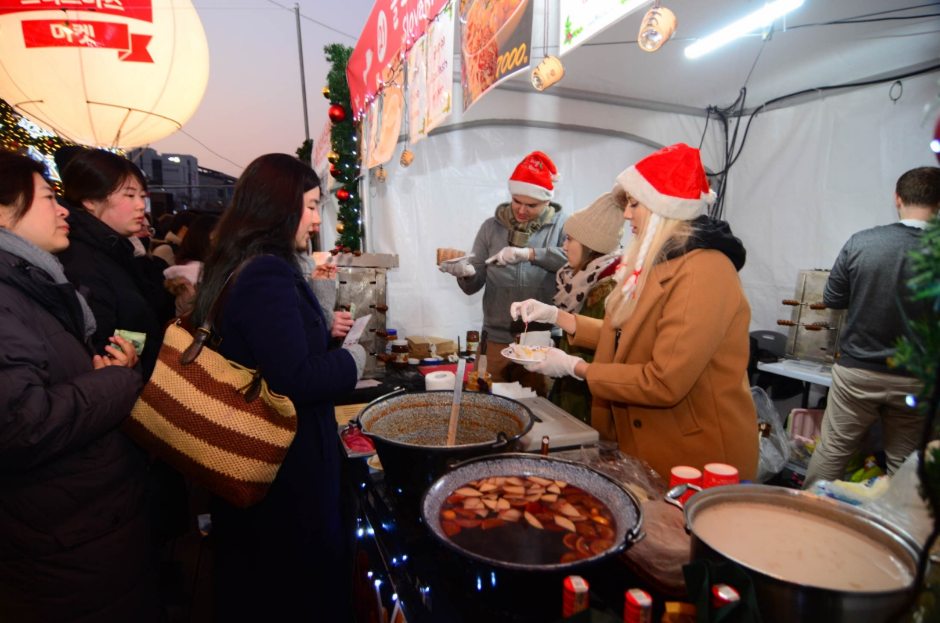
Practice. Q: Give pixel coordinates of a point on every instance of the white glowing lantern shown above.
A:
(109, 73)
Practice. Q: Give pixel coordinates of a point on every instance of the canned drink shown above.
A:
(575, 597)
(637, 606)
(722, 595)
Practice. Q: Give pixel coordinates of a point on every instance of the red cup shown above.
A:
(719, 475)
(682, 474)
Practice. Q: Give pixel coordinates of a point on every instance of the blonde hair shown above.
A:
(669, 235)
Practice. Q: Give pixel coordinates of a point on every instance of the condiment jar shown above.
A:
(392, 336)
(400, 351)
(473, 341)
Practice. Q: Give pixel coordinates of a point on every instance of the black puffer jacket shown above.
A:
(74, 534)
(124, 292)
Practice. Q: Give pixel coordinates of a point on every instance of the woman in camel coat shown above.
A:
(669, 374)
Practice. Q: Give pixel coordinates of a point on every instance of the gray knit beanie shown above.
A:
(599, 226)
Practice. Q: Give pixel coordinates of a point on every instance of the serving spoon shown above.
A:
(455, 409)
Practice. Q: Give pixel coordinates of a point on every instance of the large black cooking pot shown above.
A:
(410, 433)
(782, 601)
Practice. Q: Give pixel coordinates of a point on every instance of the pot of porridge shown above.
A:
(811, 558)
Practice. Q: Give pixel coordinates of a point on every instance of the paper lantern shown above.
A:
(104, 72)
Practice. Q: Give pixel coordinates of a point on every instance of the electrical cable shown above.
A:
(327, 26)
(210, 150)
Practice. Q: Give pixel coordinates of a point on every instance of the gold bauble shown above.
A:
(326, 92)
(333, 157)
(339, 228)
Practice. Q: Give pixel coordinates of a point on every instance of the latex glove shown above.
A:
(511, 255)
(557, 364)
(458, 269)
(342, 323)
(534, 311)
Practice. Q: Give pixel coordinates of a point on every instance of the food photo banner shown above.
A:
(393, 26)
(440, 68)
(494, 43)
(417, 90)
(582, 19)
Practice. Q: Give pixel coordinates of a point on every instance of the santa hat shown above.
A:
(671, 183)
(534, 177)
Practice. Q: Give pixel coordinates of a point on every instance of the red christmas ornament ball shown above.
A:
(334, 171)
(342, 194)
(337, 113)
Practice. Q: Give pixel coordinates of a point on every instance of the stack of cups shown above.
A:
(719, 475)
(682, 474)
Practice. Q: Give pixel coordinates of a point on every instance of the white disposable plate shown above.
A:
(508, 354)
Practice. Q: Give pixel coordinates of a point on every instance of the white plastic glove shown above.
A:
(557, 364)
(534, 311)
(458, 269)
(511, 255)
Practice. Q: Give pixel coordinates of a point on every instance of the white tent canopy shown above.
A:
(814, 169)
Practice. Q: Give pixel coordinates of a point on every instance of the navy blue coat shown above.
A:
(284, 558)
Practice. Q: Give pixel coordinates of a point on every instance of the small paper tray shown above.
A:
(344, 415)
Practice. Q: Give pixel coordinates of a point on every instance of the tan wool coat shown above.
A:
(673, 390)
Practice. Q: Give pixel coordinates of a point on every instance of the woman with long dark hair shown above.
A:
(105, 193)
(284, 558)
(185, 274)
(74, 532)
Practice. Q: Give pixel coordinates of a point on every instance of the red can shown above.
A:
(637, 606)
(575, 595)
(722, 595)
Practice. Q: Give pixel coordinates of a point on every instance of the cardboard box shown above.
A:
(419, 346)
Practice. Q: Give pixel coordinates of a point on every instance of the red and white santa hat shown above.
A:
(535, 177)
(670, 183)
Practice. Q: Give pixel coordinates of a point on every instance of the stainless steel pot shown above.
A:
(410, 433)
(620, 500)
(781, 601)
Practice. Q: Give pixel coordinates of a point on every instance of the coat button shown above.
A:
(637, 424)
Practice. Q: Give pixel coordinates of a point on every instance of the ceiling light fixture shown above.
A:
(657, 27)
(758, 19)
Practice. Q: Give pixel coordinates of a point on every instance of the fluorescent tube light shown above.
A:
(758, 19)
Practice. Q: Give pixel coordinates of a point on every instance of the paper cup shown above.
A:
(719, 475)
(682, 474)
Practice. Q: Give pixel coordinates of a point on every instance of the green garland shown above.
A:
(19, 138)
(343, 140)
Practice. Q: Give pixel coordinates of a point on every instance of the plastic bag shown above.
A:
(774, 449)
(902, 505)
(633, 472)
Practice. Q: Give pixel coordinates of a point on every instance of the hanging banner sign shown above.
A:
(494, 44)
(582, 19)
(139, 9)
(417, 90)
(321, 149)
(392, 27)
(57, 34)
(385, 126)
(440, 68)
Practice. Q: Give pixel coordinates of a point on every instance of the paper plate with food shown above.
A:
(525, 353)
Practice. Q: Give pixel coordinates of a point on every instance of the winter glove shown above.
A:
(510, 255)
(458, 269)
(534, 311)
(557, 364)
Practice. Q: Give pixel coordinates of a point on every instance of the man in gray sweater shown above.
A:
(869, 279)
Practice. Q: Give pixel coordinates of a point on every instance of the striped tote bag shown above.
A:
(211, 419)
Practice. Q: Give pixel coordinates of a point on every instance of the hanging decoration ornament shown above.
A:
(337, 113)
(335, 172)
(935, 143)
(342, 194)
(340, 227)
(333, 157)
(381, 174)
(406, 158)
(326, 92)
(548, 72)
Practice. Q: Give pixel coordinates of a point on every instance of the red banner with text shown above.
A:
(71, 34)
(137, 9)
(392, 27)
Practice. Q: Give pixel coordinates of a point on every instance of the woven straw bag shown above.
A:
(212, 419)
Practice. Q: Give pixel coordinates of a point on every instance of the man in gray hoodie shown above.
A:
(869, 279)
(516, 255)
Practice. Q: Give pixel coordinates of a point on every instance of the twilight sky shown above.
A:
(252, 105)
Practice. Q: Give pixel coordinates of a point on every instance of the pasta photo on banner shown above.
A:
(417, 90)
(494, 45)
(582, 19)
(440, 68)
